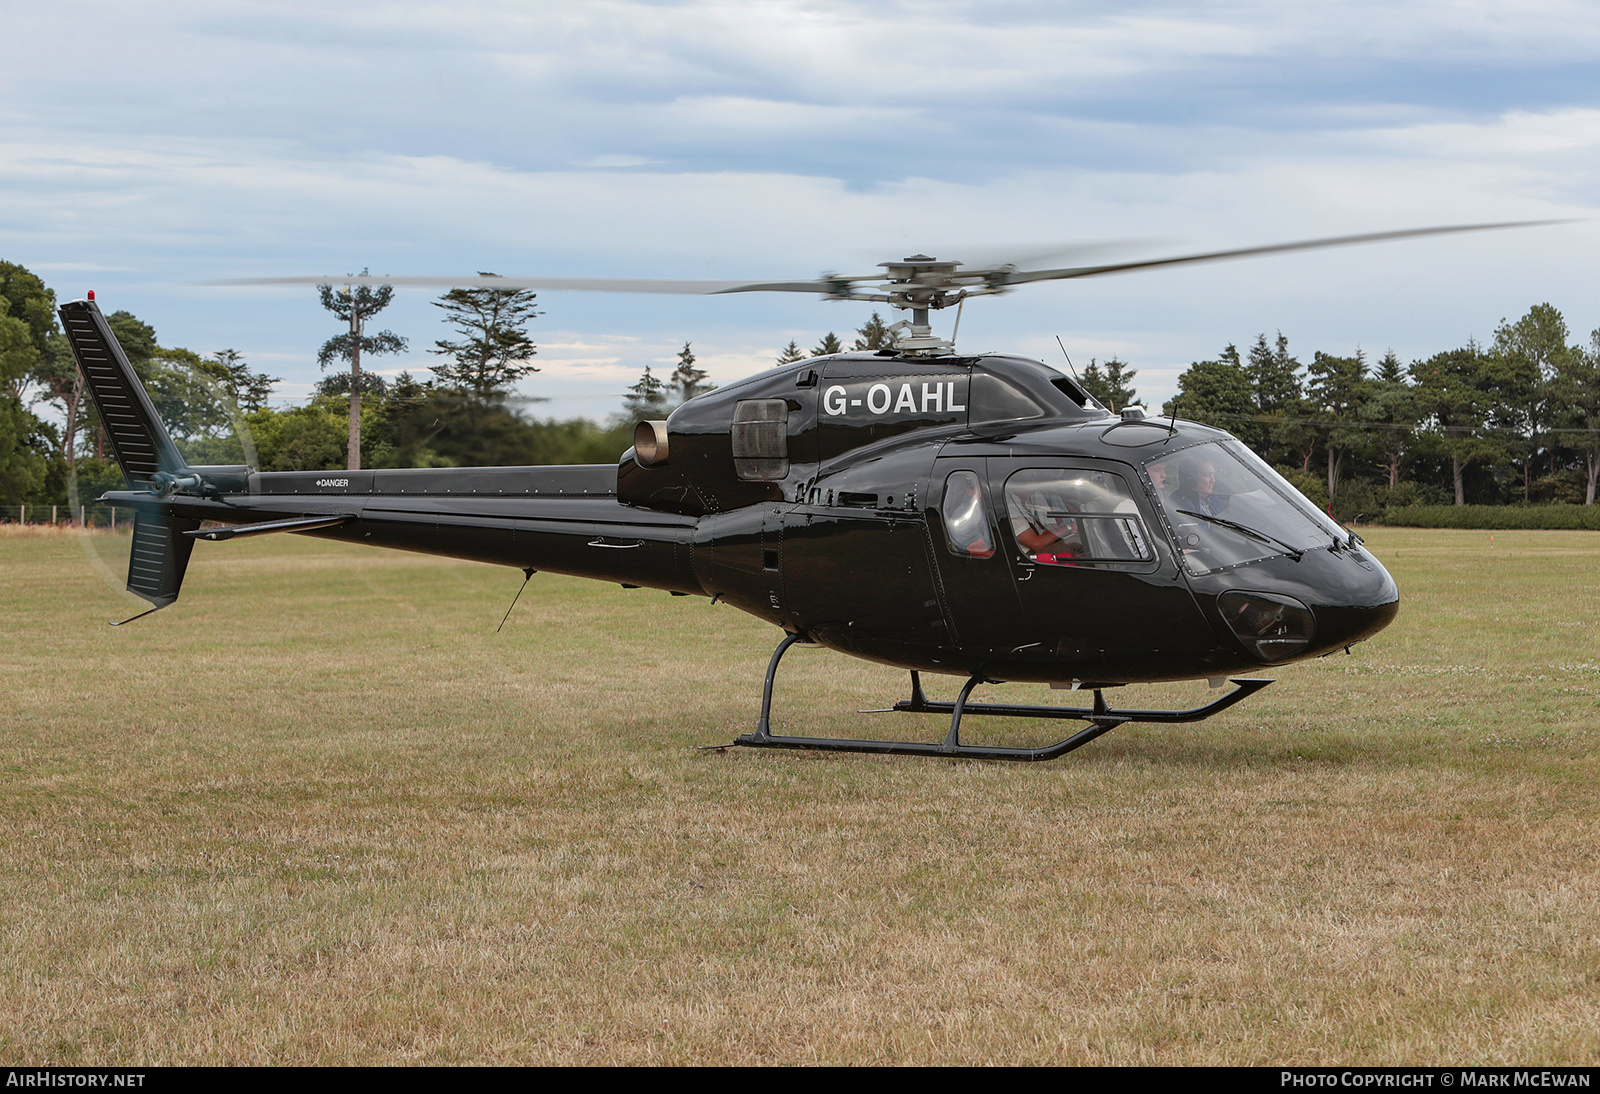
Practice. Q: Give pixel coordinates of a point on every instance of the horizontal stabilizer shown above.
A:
(138, 439)
(295, 524)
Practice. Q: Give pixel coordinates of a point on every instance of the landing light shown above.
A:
(1272, 627)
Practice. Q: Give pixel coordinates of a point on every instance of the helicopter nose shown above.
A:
(1368, 605)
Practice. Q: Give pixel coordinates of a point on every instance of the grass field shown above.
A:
(320, 812)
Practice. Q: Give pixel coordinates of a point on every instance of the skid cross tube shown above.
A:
(1101, 720)
(1243, 688)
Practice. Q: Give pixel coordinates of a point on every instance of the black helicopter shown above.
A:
(976, 516)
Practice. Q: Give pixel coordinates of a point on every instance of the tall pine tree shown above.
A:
(494, 349)
(1112, 383)
(646, 399)
(687, 380)
(1337, 395)
(355, 304)
(1526, 358)
(874, 334)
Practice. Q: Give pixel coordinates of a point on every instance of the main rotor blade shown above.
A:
(840, 285)
(574, 284)
(991, 256)
(1023, 276)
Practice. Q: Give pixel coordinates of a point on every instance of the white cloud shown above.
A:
(1523, 137)
(615, 160)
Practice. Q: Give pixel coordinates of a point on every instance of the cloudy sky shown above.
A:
(148, 146)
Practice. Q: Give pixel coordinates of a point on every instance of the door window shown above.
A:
(1067, 516)
(966, 526)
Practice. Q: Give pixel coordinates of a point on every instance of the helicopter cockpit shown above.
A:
(1227, 507)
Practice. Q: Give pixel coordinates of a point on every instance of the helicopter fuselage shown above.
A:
(975, 516)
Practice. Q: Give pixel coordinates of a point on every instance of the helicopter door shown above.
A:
(855, 556)
(1093, 582)
(973, 574)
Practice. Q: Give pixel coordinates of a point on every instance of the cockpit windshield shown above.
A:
(1226, 507)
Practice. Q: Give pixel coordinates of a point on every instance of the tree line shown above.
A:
(215, 405)
(1513, 422)
(1517, 421)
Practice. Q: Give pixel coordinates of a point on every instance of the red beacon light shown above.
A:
(91, 294)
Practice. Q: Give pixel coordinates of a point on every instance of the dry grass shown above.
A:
(318, 812)
(13, 530)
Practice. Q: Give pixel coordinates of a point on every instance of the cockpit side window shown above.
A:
(1066, 516)
(966, 526)
(761, 439)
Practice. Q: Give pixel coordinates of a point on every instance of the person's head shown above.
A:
(1158, 474)
(1199, 475)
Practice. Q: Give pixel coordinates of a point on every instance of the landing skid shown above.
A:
(1101, 719)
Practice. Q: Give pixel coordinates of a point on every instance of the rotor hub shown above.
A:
(921, 283)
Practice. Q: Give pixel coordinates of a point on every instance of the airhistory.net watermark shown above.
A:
(51, 1078)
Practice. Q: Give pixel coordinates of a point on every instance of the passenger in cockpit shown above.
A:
(1051, 534)
(1197, 484)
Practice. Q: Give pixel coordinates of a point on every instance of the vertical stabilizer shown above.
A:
(159, 557)
(138, 438)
